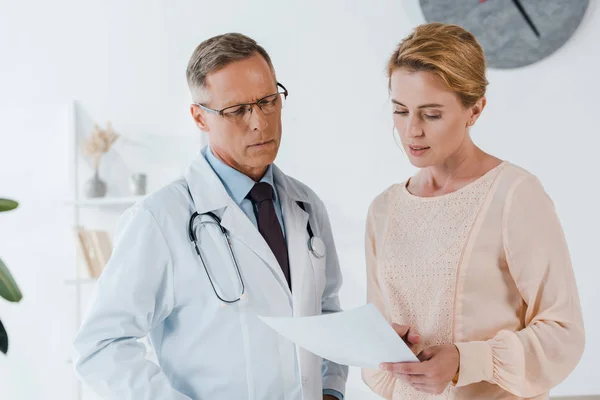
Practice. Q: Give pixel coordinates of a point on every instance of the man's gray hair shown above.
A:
(216, 53)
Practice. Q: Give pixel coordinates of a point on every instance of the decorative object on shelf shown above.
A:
(137, 184)
(95, 187)
(8, 287)
(98, 144)
(513, 33)
(96, 249)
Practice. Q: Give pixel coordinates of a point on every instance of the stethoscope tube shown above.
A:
(192, 234)
(315, 245)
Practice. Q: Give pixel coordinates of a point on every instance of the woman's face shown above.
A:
(430, 119)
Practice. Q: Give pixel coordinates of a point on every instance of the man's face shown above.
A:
(247, 141)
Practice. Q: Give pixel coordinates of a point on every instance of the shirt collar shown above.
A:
(236, 183)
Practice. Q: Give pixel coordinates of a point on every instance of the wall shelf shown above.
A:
(105, 201)
(81, 281)
(89, 207)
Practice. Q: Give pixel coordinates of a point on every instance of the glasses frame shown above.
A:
(257, 102)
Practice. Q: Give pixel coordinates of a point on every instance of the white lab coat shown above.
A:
(155, 285)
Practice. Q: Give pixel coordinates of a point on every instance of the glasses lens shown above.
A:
(282, 99)
(272, 103)
(237, 113)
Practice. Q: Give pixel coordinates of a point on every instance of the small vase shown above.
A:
(95, 187)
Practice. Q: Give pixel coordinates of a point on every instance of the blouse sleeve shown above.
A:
(381, 382)
(531, 361)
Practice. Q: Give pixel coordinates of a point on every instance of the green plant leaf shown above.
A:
(3, 339)
(8, 287)
(7, 205)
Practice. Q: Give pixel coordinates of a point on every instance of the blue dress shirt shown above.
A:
(239, 185)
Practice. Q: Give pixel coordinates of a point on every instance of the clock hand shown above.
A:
(526, 16)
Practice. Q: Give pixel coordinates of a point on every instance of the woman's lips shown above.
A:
(418, 151)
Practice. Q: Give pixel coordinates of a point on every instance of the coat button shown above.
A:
(304, 381)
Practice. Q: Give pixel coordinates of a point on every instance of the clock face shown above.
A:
(513, 33)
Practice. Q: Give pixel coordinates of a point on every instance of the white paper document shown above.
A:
(360, 337)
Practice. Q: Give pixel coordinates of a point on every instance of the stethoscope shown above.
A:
(315, 246)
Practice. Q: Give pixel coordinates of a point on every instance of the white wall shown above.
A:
(125, 61)
(32, 244)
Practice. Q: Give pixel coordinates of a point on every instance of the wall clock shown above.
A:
(513, 33)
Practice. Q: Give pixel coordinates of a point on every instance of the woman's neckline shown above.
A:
(450, 194)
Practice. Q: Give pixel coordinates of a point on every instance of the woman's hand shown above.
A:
(438, 366)
(410, 336)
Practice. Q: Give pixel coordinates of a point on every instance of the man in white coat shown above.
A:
(197, 262)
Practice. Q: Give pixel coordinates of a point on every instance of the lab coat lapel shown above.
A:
(295, 221)
(209, 194)
(242, 229)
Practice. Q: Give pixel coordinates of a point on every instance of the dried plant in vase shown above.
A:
(98, 144)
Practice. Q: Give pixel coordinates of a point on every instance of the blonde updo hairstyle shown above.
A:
(448, 51)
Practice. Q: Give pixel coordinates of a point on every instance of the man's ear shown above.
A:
(199, 117)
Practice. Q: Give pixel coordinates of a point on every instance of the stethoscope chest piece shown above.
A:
(317, 247)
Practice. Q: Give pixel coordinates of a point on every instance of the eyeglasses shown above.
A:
(241, 112)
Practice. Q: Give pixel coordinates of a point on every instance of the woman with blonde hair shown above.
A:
(468, 256)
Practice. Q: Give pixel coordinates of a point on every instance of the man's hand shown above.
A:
(438, 366)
